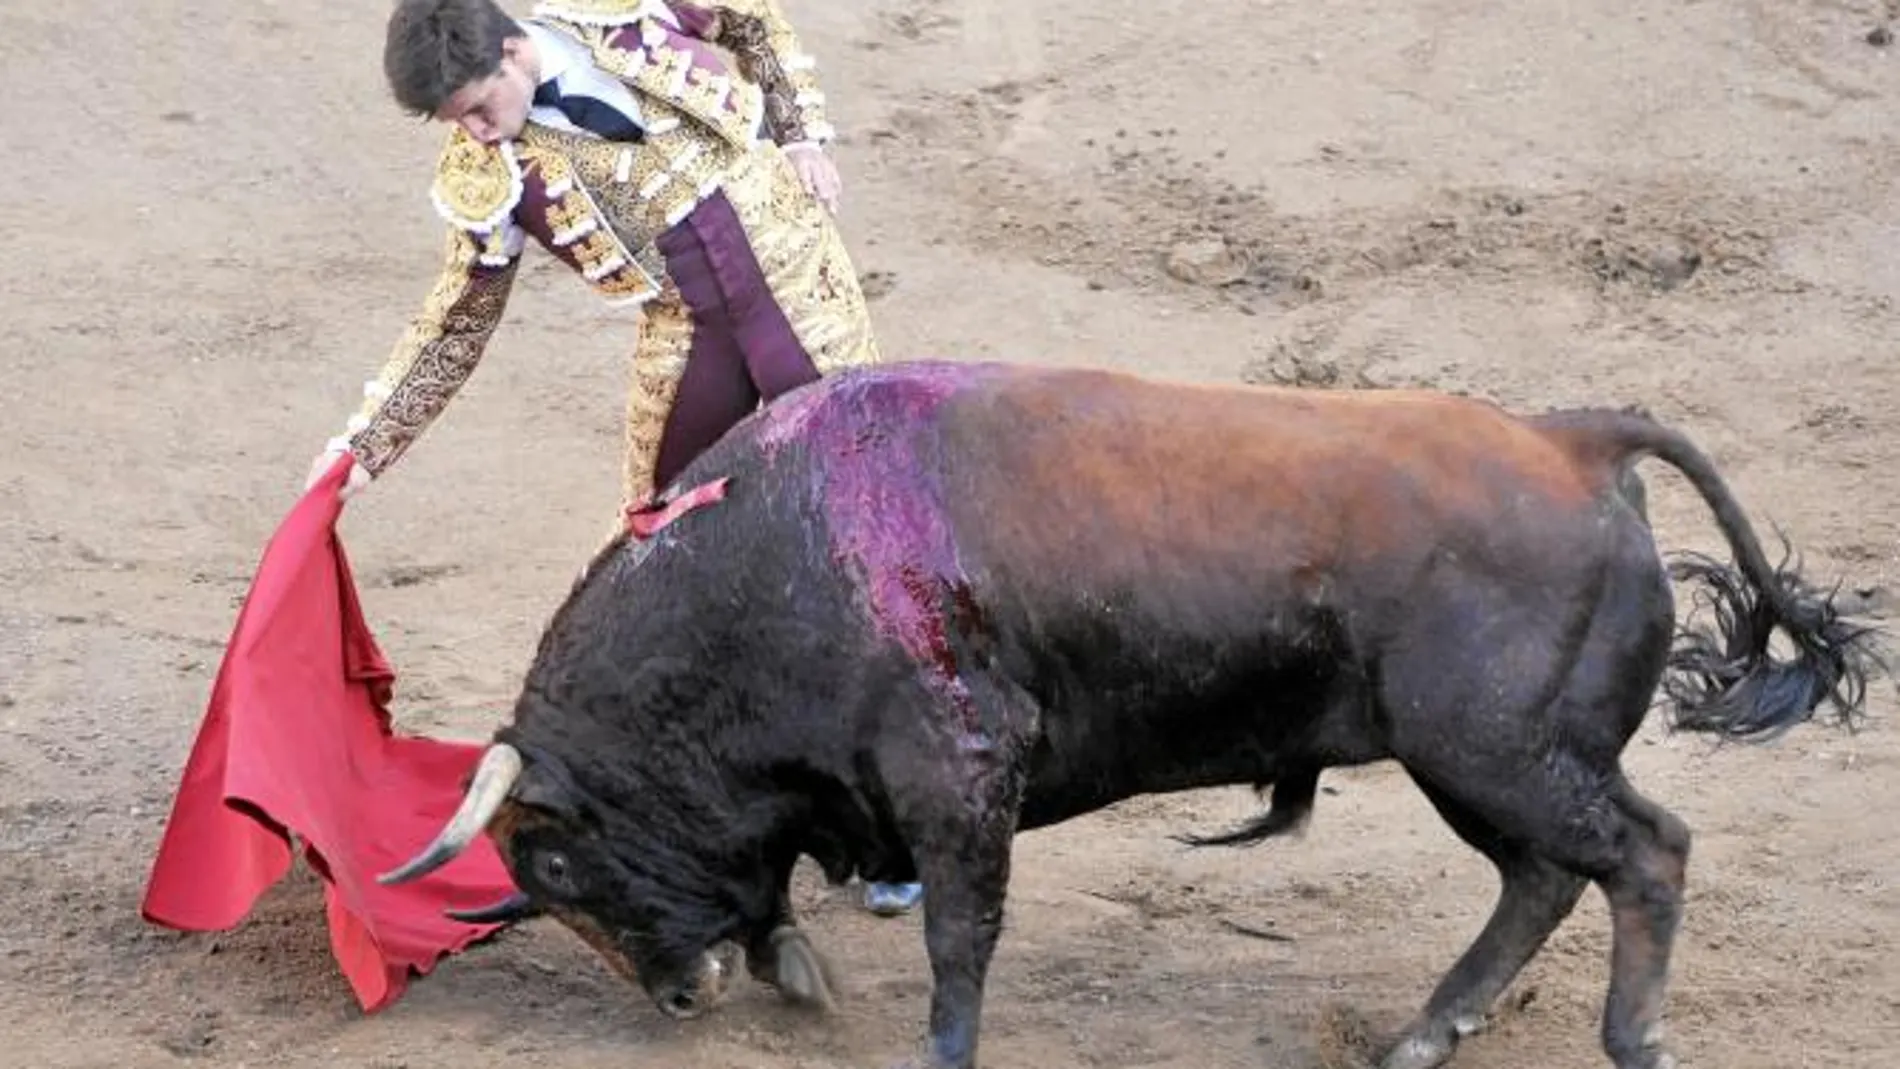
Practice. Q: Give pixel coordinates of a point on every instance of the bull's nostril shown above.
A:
(682, 1002)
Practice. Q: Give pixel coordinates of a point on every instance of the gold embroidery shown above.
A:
(556, 173)
(659, 359)
(632, 286)
(768, 52)
(599, 255)
(570, 218)
(804, 261)
(665, 76)
(476, 185)
(749, 40)
(665, 177)
(571, 163)
(434, 357)
(739, 104)
(591, 12)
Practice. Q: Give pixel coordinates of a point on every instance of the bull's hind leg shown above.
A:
(1645, 895)
(1534, 898)
(1517, 732)
(1559, 825)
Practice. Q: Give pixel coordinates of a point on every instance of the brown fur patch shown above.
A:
(1222, 478)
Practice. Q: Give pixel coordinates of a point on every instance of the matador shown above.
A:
(617, 134)
(673, 179)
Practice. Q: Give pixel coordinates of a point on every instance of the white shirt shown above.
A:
(572, 69)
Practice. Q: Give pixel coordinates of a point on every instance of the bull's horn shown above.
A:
(494, 778)
(516, 906)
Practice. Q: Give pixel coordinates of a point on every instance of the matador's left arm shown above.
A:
(760, 36)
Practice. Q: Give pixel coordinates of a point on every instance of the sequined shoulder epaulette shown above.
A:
(476, 186)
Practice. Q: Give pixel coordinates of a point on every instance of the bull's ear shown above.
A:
(545, 785)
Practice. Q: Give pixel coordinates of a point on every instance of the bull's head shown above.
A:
(667, 933)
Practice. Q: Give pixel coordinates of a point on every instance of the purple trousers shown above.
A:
(743, 349)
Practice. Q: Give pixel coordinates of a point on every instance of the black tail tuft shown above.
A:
(1293, 796)
(1725, 680)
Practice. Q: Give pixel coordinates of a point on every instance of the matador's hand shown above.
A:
(358, 478)
(818, 173)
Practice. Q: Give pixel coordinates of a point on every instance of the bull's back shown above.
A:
(1094, 481)
(1109, 480)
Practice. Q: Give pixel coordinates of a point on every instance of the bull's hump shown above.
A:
(837, 415)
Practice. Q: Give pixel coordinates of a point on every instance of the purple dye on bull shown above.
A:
(885, 510)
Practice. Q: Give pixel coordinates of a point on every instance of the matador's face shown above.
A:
(495, 108)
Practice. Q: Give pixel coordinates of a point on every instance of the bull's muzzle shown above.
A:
(706, 989)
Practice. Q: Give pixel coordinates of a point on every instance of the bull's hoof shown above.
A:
(1431, 1044)
(802, 974)
(1648, 1058)
(1420, 1052)
(1649, 1054)
(932, 1055)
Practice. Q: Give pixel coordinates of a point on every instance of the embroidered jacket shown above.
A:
(597, 205)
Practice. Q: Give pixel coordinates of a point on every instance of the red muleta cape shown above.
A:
(297, 742)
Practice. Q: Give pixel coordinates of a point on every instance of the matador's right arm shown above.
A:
(434, 357)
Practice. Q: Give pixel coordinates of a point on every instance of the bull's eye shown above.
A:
(552, 868)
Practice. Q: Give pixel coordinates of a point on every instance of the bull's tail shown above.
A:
(1724, 679)
(1293, 795)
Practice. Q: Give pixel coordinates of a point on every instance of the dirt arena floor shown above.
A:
(220, 225)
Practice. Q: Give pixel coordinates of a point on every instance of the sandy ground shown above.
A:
(219, 226)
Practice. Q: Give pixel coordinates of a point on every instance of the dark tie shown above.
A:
(588, 113)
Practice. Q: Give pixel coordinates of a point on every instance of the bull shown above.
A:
(945, 603)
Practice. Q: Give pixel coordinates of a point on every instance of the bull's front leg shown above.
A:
(962, 848)
(783, 957)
